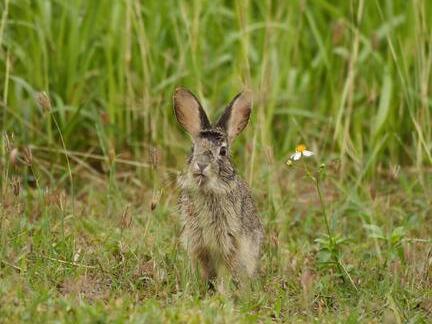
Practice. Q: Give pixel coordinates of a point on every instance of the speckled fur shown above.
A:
(222, 229)
(220, 225)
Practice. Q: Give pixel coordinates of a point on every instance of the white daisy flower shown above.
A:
(299, 152)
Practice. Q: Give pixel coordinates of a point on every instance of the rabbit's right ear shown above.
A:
(189, 112)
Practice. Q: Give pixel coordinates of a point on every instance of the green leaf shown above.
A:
(397, 235)
(384, 104)
(374, 231)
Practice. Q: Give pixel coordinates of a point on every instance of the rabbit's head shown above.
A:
(209, 165)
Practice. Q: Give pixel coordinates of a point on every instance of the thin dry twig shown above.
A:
(12, 265)
(76, 264)
(97, 157)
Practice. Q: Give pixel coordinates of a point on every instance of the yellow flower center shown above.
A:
(300, 148)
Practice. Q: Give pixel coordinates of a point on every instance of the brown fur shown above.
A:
(221, 228)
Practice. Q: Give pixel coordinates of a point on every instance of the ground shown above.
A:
(114, 255)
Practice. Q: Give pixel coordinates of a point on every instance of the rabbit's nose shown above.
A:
(202, 166)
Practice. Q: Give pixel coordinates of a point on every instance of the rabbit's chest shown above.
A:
(218, 224)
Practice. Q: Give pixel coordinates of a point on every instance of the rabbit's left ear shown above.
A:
(236, 115)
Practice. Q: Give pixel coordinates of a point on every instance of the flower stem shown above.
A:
(323, 208)
(341, 267)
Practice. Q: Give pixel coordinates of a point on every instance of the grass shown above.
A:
(88, 225)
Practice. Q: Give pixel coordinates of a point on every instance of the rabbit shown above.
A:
(220, 226)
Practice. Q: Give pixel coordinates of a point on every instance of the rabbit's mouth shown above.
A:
(200, 178)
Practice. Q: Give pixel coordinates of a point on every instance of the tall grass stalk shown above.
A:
(342, 68)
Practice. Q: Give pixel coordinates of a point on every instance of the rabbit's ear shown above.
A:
(236, 115)
(189, 112)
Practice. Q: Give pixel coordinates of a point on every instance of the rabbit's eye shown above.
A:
(223, 151)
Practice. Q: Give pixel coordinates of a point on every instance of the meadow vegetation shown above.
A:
(90, 152)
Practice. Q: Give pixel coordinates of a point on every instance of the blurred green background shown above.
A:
(350, 79)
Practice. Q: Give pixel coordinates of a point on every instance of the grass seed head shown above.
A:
(13, 156)
(8, 141)
(154, 157)
(44, 101)
(16, 186)
(105, 118)
(155, 200)
(28, 156)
